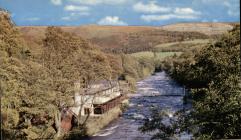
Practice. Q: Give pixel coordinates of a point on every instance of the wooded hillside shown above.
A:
(130, 39)
(37, 78)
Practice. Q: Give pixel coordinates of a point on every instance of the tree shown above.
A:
(35, 89)
(22, 84)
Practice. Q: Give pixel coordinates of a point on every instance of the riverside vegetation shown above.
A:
(212, 74)
(36, 82)
(37, 79)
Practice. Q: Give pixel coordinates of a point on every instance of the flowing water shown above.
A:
(155, 91)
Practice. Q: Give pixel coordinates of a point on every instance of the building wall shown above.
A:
(94, 124)
(90, 100)
(85, 102)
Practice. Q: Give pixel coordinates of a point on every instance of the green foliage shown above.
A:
(24, 84)
(115, 63)
(162, 131)
(34, 88)
(136, 68)
(10, 42)
(214, 74)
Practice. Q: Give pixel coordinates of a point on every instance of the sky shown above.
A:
(120, 12)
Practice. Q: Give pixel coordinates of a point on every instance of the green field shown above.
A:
(195, 41)
(181, 46)
(157, 55)
(161, 55)
(170, 49)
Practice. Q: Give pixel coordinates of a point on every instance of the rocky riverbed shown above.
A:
(157, 90)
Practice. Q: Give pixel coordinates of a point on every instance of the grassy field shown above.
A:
(195, 41)
(181, 46)
(146, 54)
(170, 49)
(156, 55)
(162, 55)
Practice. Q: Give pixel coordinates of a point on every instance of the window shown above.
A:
(97, 110)
(87, 111)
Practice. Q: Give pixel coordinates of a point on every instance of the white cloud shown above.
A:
(227, 4)
(66, 18)
(76, 8)
(92, 2)
(210, 1)
(232, 6)
(95, 2)
(233, 9)
(109, 20)
(75, 16)
(79, 14)
(204, 20)
(215, 20)
(151, 7)
(56, 2)
(33, 19)
(150, 18)
(186, 11)
(233, 13)
(178, 13)
(216, 2)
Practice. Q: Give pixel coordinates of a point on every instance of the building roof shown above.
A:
(102, 86)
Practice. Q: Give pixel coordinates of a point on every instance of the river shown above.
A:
(157, 90)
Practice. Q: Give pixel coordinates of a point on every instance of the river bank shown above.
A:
(157, 90)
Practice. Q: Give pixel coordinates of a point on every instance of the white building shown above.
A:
(97, 99)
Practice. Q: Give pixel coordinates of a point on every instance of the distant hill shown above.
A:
(132, 38)
(87, 31)
(205, 28)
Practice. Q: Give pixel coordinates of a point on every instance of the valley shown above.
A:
(120, 82)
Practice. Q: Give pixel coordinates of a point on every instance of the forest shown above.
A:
(35, 86)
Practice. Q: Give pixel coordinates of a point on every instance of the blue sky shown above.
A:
(120, 12)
